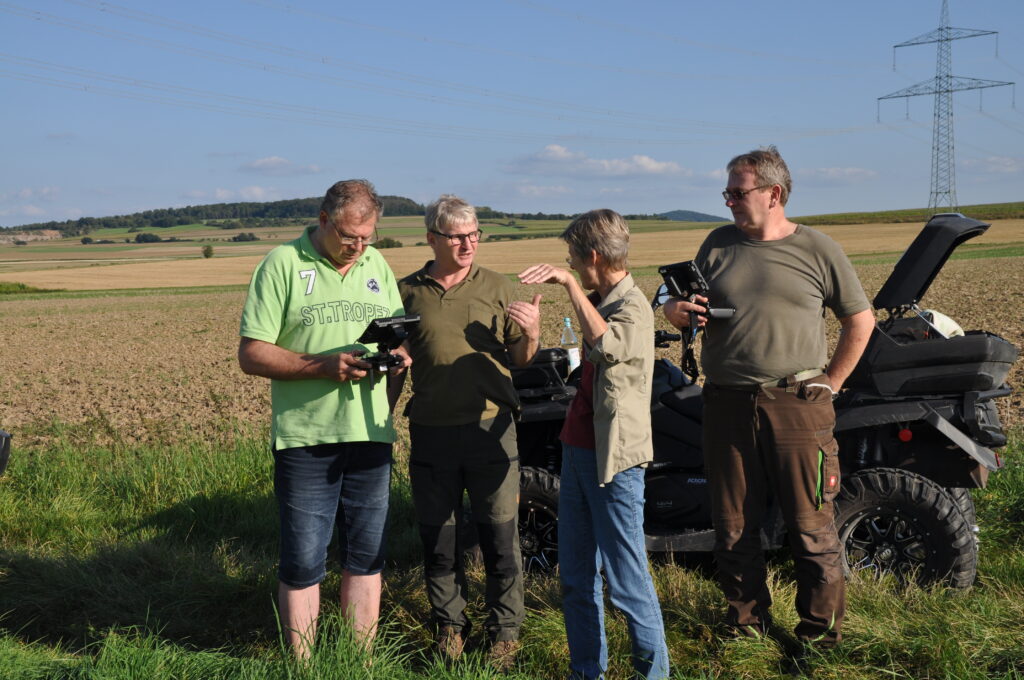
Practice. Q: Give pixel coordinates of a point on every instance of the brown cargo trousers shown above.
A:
(776, 442)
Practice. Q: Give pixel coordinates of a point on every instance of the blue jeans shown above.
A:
(320, 487)
(602, 527)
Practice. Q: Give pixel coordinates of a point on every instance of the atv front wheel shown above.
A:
(898, 522)
(962, 499)
(538, 519)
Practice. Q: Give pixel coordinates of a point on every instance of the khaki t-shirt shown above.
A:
(460, 368)
(780, 290)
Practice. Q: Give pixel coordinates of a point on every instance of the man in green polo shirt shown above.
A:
(460, 425)
(331, 433)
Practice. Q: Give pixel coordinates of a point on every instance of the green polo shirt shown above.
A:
(298, 300)
(459, 360)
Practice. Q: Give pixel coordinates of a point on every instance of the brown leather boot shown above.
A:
(502, 655)
(450, 642)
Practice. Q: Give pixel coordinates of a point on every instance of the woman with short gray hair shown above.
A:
(606, 444)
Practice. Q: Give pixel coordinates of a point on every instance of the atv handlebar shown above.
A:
(663, 338)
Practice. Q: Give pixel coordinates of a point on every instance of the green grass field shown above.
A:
(132, 561)
(145, 546)
(984, 212)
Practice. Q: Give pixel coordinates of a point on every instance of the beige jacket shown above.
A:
(623, 360)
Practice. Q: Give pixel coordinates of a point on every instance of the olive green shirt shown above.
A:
(460, 368)
(780, 290)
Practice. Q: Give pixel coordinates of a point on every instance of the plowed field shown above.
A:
(151, 366)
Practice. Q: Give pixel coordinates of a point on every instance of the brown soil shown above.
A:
(148, 367)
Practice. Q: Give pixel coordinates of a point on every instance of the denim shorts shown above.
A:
(320, 487)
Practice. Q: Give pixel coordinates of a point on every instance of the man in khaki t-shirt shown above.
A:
(461, 426)
(768, 415)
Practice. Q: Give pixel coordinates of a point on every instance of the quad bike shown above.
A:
(916, 427)
(5, 451)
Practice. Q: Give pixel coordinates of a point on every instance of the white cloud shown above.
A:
(222, 195)
(558, 160)
(834, 177)
(28, 210)
(276, 166)
(48, 194)
(254, 193)
(538, 191)
(996, 165)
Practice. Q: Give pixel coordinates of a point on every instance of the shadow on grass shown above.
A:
(202, 573)
(199, 573)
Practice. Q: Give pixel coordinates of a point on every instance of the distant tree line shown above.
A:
(273, 213)
(270, 214)
(487, 213)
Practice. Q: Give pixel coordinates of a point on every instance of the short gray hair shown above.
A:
(768, 167)
(352, 193)
(604, 231)
(447, 210)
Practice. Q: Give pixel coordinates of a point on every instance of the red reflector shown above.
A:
(905, 435)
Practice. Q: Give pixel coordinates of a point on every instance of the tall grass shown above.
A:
(126, 561)
(7, 288)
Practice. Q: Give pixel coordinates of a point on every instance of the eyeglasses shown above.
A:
(453, 239)
(359, 241)
(740, 194)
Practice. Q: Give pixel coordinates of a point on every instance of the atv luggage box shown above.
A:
(542, 388)
(906, 355)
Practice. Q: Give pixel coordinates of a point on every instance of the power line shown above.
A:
(97, 82)
(943, 181)
(421, 38)
(614, 118)
(647, 33)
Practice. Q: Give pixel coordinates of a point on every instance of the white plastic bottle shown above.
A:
(570, 344)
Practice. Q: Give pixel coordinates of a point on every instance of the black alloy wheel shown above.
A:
(538, 520)
(892, 521)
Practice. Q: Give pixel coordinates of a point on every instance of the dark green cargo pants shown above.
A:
(776, 442)
(481, 459)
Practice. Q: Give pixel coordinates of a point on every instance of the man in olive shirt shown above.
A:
(768, 415)
(461, 424)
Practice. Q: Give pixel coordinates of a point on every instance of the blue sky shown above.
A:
(522, 105)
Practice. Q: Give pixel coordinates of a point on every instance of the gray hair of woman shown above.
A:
(605, 232)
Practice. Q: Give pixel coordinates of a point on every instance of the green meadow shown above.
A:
(138, 527)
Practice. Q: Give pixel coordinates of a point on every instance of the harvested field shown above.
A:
(647, 249)
(139, 366)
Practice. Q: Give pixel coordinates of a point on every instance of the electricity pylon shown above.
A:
(943, 192)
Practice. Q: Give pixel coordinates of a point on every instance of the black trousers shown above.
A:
(480, 459)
